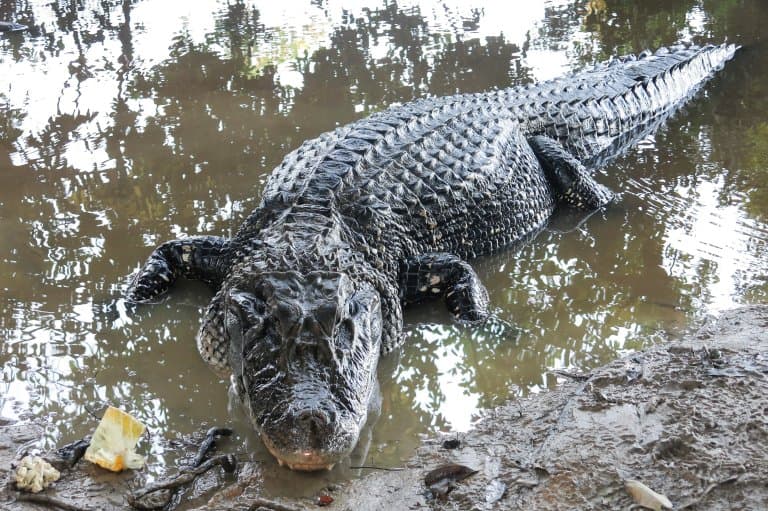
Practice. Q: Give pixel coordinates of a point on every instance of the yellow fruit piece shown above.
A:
(113, 442)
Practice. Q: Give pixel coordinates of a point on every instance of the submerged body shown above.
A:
(362, 220)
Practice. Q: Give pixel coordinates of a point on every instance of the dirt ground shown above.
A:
(689, 419)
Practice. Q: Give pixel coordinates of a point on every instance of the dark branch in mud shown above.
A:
(209, 443)
(139, 499)
(571, 375)
(699, 498)
(47, 500)
(374, 467)
(260, 503)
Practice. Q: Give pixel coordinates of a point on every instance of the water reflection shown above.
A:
(125, 123)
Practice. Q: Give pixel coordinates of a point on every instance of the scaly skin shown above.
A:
(385, 211)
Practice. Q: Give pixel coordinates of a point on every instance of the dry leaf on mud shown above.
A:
(324, 500)
(646, 497)
(441, 480)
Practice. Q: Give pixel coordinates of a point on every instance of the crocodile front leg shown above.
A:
(197, 258)
(212, 342)
(571, 179)
(446, 275)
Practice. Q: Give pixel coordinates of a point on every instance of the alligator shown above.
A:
(386, 211)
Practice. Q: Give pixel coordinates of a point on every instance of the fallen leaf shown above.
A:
(324, 500)
(441, 480)
(646, 497)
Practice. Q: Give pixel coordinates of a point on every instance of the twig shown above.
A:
(227, 462)
(374, 467)
(271, 504)
(91, 412)
(697, 500)
(47, 500)
(573, 376)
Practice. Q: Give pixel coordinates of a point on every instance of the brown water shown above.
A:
(123, 124)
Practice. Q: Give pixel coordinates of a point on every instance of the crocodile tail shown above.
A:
(670, 76)
(636, 94)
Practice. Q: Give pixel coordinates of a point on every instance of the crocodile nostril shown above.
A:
(315, 421)
(314, 418)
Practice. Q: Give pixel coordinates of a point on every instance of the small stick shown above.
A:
(271, 504)
(571, 375)
(47, 500)
(374, 467)
(697, 500)
(187, 475)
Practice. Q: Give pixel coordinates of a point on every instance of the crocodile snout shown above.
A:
(316, 424)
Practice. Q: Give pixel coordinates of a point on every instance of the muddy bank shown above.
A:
(689, 419)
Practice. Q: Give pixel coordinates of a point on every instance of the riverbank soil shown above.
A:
(688, 419)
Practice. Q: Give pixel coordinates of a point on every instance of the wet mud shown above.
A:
(689, 419)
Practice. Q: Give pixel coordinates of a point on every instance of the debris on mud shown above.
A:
(34, 474)
(114, 442)
(452, 443)
(73, 452)
(646, 497)
(494, 491)
(158, 495)
(443, 479)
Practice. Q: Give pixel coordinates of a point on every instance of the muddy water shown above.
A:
(123, 124)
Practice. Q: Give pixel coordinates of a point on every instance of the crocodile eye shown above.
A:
(232, 323)
(326, 317)
(343, 338)
(247, 308)
(256, 325)
(353, 307)
(286, 312)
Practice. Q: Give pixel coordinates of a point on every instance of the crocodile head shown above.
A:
(303, 351)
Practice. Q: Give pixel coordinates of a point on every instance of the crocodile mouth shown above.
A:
(304, 461)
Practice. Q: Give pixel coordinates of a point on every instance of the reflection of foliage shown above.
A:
(9, 131)
(627, 26)
(755, 168)
(488, 358)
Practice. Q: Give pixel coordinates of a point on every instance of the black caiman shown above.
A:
(386, 211)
